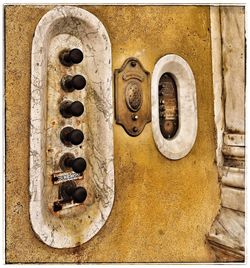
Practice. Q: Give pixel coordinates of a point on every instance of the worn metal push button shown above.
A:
(79, 194)
(71, 136)
(70, 57)
(69, 109)
(70, 83)
(68, 192)
(78, 164)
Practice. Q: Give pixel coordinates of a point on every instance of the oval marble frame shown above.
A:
(50, 229)
(181, 144)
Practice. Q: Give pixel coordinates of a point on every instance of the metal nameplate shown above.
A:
(66, 176)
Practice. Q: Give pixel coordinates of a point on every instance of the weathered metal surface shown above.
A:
(132, 97)
(168, 106)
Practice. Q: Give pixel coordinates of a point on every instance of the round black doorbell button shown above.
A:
(70, 83)
(68, 161)
(76, 137)
(79, 195)
(69, 109)
(70, 57)
(76, 108)
(78, 82)
(78, 164)
(71, 136)
(70, 191)
(66, 190)
(75, 55)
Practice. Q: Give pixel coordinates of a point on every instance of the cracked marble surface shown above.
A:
(69, 27)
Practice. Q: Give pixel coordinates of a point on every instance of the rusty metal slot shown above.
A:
(168, 106)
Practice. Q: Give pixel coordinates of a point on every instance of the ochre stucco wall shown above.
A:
(163, 209)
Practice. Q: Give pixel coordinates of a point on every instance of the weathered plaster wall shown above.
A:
(162, 208)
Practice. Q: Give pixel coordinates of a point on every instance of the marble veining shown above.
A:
(70, 27)
(181, 144)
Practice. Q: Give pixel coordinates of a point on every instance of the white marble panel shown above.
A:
(233, 151)
(69, 27)
(234, 177)
(228, 230)
(217, 81)
(181, 144)
(233, 55)
(234, 139)
(233, 198)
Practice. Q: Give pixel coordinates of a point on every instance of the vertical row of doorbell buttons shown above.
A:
(70, 136)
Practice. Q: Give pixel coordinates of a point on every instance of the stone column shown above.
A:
(227, 234)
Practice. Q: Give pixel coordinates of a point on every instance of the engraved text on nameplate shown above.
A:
(65, 176)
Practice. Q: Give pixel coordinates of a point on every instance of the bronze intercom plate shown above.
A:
(132, 96)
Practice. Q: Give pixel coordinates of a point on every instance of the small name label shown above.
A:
(65, 176)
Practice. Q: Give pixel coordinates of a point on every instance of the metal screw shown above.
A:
(57, 206)
(162, 101)
(133, 63)
(55, 179)
(162, 115)
(162, 108)
(134, 117)
(135, 129)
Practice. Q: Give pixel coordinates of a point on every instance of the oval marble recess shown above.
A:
(68, 27)
(181, 144)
